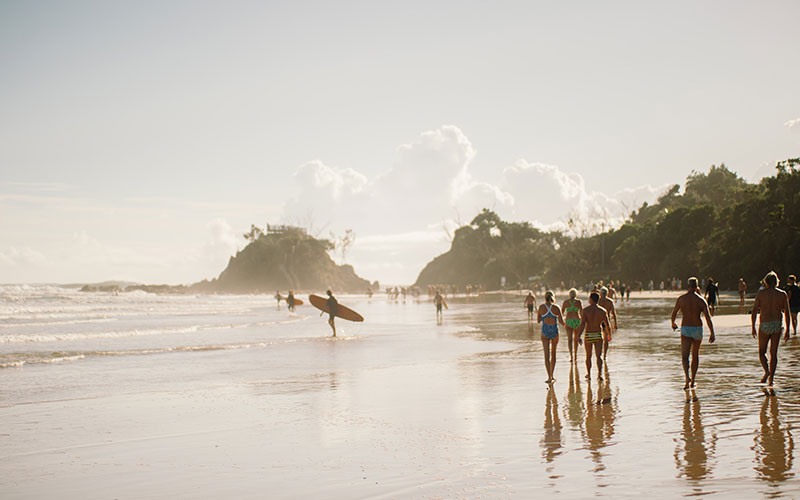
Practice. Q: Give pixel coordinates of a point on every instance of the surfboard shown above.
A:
(297, 301)
(343, 312)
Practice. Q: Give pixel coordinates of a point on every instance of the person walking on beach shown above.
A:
(793, 291)
(530, 303)
(290, 301)
(439, 301)
(742, 291)
(549, 315)
(594, 320)
(278, 297)
(572, 307)
(606, 303)
(772, 303)
(691, 305)
(333, 305)
(712, 295)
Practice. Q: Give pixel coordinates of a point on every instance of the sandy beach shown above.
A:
(229, 396)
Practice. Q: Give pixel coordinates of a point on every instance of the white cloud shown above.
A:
(793, 124)
(428, 185)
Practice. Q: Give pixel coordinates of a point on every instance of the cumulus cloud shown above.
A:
(428, 185)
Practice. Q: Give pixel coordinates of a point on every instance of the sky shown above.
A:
(139, 140)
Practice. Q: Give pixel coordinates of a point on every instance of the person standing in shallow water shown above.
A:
(530, 303)
(712, 295)
(691, 305)
(332, 304)
(742, 291)
(793, 291)
(594, 320)
(772, 303)
(606, 303)
(549, 315)
(572, 307)
(439, 302)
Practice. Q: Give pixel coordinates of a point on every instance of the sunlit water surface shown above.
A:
(146, 396)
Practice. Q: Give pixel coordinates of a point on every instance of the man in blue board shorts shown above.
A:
(691, 305)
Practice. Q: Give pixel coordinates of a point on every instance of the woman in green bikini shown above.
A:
(572, 307)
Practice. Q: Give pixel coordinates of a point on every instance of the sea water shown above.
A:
(139, 395)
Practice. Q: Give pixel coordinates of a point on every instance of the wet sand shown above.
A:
(400, 407)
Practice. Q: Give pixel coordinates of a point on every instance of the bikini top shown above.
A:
(572, 306)
(549, 313)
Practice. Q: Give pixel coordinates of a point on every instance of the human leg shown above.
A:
(686, 347)
(763, 340)
(695, 358)
(546, 351)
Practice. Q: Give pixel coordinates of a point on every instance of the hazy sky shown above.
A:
(138, 140)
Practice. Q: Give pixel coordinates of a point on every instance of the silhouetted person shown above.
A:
(439, 302)
(691, 305)
(332, 305)
(290, 300)
(712, 295)
(793, 291)
(278, 297)
(772, 303)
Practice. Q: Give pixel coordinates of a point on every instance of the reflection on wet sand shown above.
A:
(600, 415)
(574, 406)
(774, 446)
(693, 453)
(551, 438)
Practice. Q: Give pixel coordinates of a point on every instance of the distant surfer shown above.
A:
(594, 321)
(439, 302)
(793, 291)
(572, 307)
(549, 315)
(530, 303)
(290, 301)
(332, 304)
(278, 297)
(712, 295)
(691, 305)
(606, 303)
(772, 303)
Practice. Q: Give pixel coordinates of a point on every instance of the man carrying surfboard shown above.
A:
(290, 300)
(332, 305)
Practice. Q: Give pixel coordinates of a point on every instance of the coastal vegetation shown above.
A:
(720, 226)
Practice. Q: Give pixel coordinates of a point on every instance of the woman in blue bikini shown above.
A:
(549, 315)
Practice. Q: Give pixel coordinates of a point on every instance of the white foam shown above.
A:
(13, 339)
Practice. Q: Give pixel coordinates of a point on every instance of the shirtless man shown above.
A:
(772, 303)
(691, 305)
(607, 304)
(439, 301)
(530, 303)
(742, 291)
(712, 294)
(794, 300)
(594, 319)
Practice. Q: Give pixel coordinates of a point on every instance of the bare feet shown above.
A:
(770, 382)
(588, 377)
(548, 381)
(693, 383)
(686, 387)
(599, 377)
